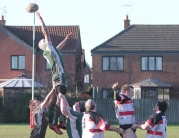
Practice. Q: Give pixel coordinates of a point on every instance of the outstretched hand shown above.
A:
(115, 85)
(38, 14)
(69, 35)
(55, 84)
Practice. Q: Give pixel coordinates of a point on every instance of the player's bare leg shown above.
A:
(129, 133)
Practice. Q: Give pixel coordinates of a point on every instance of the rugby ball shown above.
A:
(32, 7)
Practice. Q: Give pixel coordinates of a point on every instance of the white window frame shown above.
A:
(17, 62)
(86, 78)
(112, 63)
(151, 63)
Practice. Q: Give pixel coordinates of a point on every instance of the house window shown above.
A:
(137, 93)
(151, 63)
(108, 93)
(17, 62)
(112, 63)
(149, 93)
(47, 65)
(163, 93)
(86, 78)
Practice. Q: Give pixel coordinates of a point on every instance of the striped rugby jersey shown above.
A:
(158, 124)
(94, 125)
(125, 110)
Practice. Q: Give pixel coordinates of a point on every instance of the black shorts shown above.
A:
(62, 89)
(125, 127)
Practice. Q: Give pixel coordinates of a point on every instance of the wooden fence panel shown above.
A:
(143, 109)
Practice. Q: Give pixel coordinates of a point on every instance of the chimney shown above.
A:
(126, 22)
(2, 21)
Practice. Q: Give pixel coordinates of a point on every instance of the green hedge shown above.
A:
(16, 109)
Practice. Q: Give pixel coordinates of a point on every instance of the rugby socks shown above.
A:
(56, 114)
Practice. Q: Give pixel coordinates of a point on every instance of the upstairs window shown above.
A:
(151, 63)
(86, 78)
(112, 63)
(18, 62)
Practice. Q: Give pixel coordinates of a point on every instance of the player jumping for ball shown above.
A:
(54, 58)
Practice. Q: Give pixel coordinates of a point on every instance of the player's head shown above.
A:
(90, 105)
(62, 89)
(79, 106)
(42, 44)
(34, 104)
(128, 90)
(161, 106)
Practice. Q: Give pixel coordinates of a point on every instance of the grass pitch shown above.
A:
(23, 131)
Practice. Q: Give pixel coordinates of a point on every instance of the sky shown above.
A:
(99, 20)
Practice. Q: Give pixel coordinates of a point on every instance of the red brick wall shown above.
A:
(133, 74)
(8, 47)
(69, 62)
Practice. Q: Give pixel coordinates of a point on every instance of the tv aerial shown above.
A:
(126, 5)
(3, 11)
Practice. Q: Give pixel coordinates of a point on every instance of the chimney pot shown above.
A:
(2, 21)
(126, 22)
(126, 17)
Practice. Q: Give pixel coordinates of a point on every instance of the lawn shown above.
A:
(23, 131)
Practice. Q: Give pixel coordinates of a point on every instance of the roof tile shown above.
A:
(57, 33)
(143, 38)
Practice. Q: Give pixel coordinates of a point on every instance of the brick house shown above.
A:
(146, 56)
(87, 73)
(16, 53)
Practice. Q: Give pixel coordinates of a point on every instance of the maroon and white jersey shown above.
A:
(93, 125)
(158, 124)
(124, 109)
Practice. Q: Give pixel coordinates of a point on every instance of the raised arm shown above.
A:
(114, 87)
(44, 28)
(62, 44)
(49, 98)
(63, 104)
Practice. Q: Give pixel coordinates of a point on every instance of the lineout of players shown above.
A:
(82, 120)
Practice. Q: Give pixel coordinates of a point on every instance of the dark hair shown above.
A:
(62, 89)
(162, 105)
(82, 106)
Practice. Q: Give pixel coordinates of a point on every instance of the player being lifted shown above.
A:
(54, 58)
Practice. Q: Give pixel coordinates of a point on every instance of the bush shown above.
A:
(16, 109)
